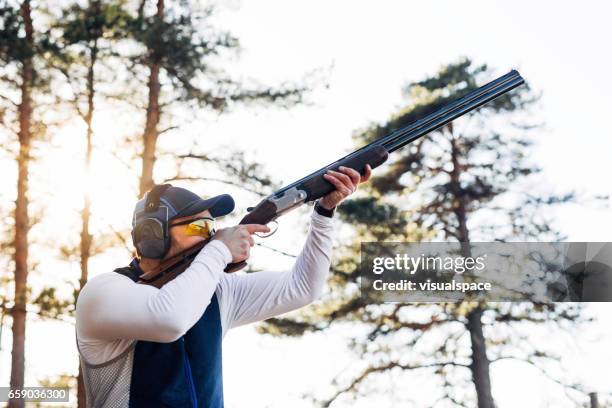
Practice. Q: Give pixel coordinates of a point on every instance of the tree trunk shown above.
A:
(594, 400)
(151, 131)
(86, 238)
(480, 361)
(21, 213)
(460, 204)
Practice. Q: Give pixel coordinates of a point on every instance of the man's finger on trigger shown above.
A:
(253, 228)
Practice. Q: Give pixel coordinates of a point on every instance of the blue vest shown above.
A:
(184, 373)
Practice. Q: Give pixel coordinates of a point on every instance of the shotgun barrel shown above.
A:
(419, 128)
(452, 111)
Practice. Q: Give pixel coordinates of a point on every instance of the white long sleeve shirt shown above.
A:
(112, 311)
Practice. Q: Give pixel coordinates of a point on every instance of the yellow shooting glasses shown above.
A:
(200, 227)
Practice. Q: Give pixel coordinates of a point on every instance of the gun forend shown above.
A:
(316, 186)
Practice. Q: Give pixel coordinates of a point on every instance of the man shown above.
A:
(146, 347)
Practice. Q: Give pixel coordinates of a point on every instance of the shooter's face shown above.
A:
(179, 239)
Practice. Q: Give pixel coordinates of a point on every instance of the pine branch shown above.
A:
(377, 369)
(218, 180)
(9, 100)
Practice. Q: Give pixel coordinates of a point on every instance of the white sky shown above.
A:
(370, 50)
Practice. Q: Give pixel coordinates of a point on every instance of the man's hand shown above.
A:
(346, 182)
(239, 240)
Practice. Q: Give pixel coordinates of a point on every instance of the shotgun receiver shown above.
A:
(314, 186)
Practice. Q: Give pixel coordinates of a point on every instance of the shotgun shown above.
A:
(314, 186)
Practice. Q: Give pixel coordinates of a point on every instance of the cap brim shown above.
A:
(218, 206)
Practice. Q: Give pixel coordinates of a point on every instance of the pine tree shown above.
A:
(179, 51)
(436, 189)
(20, 47)
(86, 37)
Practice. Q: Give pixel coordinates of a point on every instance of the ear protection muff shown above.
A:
(150, 232)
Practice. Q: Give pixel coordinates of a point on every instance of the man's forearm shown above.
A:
(311, 267)
(258, 296)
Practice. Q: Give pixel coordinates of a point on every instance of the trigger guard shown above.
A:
(271, 233)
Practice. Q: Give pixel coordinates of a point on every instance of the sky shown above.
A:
(366, 51)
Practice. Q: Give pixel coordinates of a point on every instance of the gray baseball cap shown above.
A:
(183, 203)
